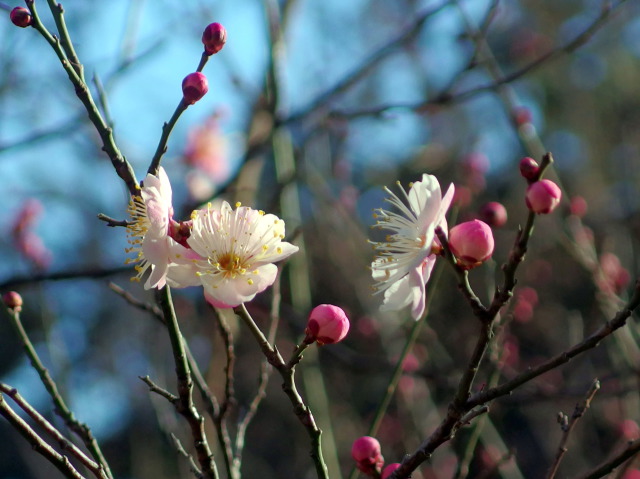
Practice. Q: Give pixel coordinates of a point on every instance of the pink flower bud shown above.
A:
(327, 324)
(578, 206)
(471, 242)
(386, 472)
(494, 214)
(213, 38)
(521, 115)
(543, 196)
(20, 17)
(366, 452)
(12, 300)
(529, 168)
(194, 87)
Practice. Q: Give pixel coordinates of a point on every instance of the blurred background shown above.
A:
(312, 108)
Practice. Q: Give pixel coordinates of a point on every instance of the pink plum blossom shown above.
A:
(237, 249)
(405, 260)
(386, 472)
(148, 232)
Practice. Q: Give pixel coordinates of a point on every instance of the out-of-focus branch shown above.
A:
(406, 34)
(447, 97)
(567, 426)
(63, 275)
(80, 429)
(73, 68)
(611, 464)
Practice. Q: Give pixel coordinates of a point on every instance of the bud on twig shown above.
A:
(20, 17)
(12, 300)
(213, 38)
(194, 87)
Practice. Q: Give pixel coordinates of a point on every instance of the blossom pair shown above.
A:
(230, 252)
(407, 256)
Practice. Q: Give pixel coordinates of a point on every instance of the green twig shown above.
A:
(164, 138)
(184, 404)
(287, 373)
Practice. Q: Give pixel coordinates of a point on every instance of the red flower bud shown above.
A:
(12, 300)
(327, 324)
(529, 168)
(366, 452)
(194, 87)
(20, 17)
(543, 196)
(386, 472)
(494, 214)
(471, 242)
(213, 38)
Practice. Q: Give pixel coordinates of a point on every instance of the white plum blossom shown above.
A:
(404, 261)
(148, 234)
(237, 249)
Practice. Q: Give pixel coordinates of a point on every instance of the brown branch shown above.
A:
(446, 97)
(568, 425)
(37, 443)
(62, 441)
(610, 465)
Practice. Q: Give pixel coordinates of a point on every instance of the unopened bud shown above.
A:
(213, 38)
(494, 214)
(194, 87)
(543, 196)
(367, 454)
(471, 242)
(20, 17)
(327, 324)
(12, 300)
(386, 472)
(529, 168)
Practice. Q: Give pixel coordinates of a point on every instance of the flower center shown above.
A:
(230, 265)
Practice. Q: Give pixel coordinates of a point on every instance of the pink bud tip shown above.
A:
(471, 242)
(543, 196)
(529, 168)
(20, 17)
(327, 324)
(386, 472)
(578, 206)
(12, 300)
(213, 38)
(366, 452)
(494, 214)
(194, 87)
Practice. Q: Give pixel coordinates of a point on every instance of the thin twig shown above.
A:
(192, 463)
(301, 410)
(37, 443)
(60, 407)
(568, 425)
(185, 405)
(62, 441)
(610, 465)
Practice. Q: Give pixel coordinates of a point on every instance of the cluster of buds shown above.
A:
(195, 85)
(327, 324)
(367, 453)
